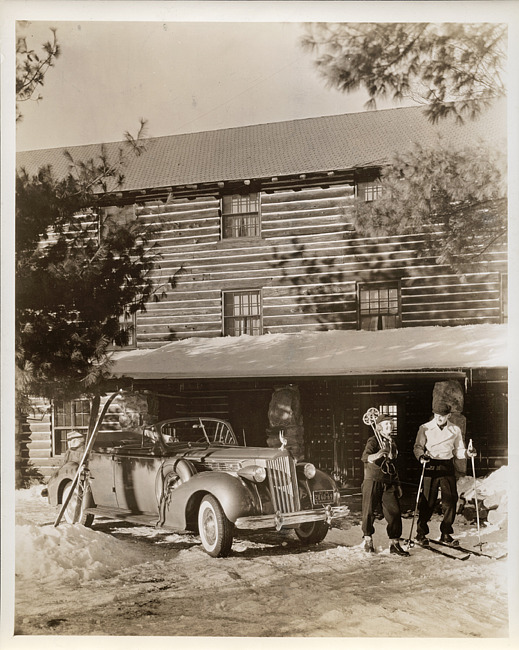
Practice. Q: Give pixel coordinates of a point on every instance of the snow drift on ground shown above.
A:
(124, 580)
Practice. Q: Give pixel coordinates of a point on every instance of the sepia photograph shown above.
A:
(256, 329)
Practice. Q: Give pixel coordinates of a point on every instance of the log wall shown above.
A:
(307, 265)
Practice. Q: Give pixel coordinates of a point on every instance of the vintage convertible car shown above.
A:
(190, 474)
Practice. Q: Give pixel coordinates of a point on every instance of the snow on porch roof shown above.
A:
(311, 354)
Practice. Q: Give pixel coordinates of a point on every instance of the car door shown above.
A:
(136, 476)
(101, 473)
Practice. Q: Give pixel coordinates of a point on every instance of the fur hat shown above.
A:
(440, 408)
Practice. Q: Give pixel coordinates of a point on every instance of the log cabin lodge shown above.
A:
(280, 304)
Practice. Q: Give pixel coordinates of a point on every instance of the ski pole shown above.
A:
(471, 448)
(409, 542)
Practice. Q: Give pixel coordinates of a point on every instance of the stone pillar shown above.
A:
(285, 415)
(451, 394)
(129, 411)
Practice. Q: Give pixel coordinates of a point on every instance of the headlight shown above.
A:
(260, 474)
(253, 473)
(309, 470)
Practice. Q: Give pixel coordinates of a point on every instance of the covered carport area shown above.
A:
(336, 375)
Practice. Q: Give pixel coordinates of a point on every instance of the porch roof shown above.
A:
(320, 354)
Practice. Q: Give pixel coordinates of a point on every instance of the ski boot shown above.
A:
(448, 539)
(368, 544)
(422, 540)
(396, 549)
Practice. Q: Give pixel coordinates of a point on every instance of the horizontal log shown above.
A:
(409, 320)
(334, 191)
(443, 297)
(158, 325)
(440, 279)
(311, 212)
(307, 308)
(39, 446)
(426, 292)
(153, 342)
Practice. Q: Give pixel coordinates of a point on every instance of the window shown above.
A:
(369, 190)
(241, 215)
(504, 297)
(379, 306)
(392, 411)
(128, 324)
(68, 416)
(241, 313)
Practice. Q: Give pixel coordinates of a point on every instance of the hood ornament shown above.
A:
(283, 440)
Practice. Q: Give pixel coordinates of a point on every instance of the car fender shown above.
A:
(236, 499)
(321, 481)
(66, 472)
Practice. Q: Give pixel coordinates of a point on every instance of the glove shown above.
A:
(424, 459)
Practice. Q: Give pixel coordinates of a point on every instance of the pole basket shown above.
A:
(370, 416)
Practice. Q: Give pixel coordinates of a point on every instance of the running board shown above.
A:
(125, 515)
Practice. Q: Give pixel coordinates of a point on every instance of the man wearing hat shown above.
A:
(437, 444)
(381, 486)
(75, 446)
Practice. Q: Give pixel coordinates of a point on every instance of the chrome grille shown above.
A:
(281, 473)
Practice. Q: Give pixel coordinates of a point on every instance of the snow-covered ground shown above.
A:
(130, 581)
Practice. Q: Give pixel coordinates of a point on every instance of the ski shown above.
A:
(453, 554)
(470, 550)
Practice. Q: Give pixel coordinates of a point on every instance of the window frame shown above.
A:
(59, 442)
(371, 186)
(226, 317)
(388, 284)
(253, 231)
(133, 344)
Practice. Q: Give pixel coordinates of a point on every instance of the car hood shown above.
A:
(217, 453)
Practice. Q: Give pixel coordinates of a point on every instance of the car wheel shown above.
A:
(312, 532)
(216, 531)
(70, 514)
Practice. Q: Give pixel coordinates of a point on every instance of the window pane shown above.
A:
(242, 313)
(392, 411)
(379, 307)
(69, 416)
(369, 191)
(240, 215)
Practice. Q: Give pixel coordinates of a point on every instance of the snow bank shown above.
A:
(491, 493)
(72, 553)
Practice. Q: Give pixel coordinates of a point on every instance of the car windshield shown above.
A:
(193, 430)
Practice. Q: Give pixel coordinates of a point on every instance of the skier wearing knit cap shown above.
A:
(381, 486)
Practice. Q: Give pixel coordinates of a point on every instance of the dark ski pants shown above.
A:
(382, 494)
(449, 500)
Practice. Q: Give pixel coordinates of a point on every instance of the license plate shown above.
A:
(323, 496)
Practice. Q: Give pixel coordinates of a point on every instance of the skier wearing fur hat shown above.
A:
(438, 444)
(381, 486)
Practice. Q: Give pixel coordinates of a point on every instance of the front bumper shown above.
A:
(281, 520)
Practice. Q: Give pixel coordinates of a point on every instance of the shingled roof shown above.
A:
(304, 146)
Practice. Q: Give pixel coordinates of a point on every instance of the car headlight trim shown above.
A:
(309, 470)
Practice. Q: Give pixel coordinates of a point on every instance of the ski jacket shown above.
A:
(440, 444)
(374, 470)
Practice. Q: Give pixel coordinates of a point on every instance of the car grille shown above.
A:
(281, 473)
